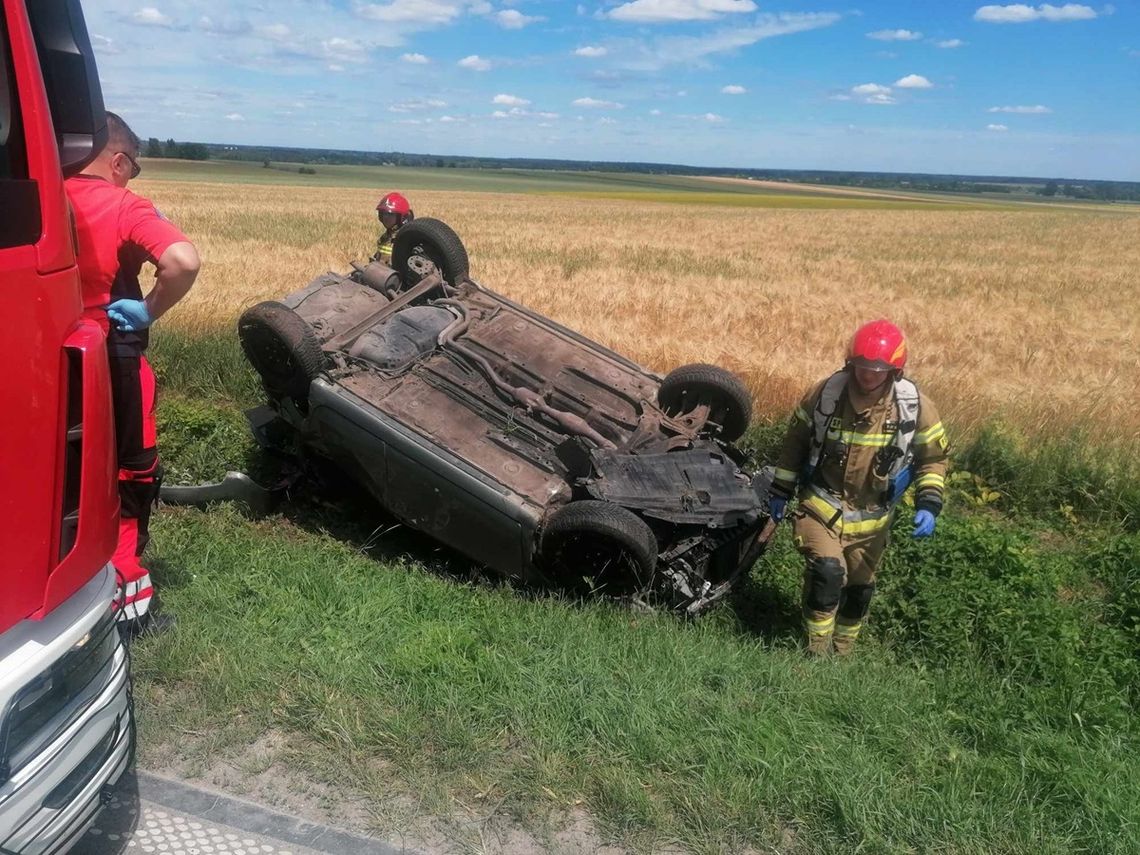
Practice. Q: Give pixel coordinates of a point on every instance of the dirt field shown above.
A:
(1029, 312)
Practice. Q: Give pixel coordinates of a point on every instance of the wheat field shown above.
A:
(1027, 313)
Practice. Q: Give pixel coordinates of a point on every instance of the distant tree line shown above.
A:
(182, 150)
(1100, 191)
(1078, 189)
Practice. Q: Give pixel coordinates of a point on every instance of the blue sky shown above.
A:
(931, 86)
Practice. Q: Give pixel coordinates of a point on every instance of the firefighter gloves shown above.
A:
(777, 505)
(923, 524)
(129, 315)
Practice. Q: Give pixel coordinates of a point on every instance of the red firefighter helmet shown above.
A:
(879, 345)
(394, 203)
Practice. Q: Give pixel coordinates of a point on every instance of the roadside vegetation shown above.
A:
(993, 707)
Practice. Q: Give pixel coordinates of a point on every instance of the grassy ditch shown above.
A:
(991, 709)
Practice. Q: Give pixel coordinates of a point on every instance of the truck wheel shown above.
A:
(728, 400)
(597, 547)
(282, 348)
(435, 241)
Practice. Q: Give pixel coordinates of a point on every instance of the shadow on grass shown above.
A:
(326, 501)
(323, 500)
(761, 607)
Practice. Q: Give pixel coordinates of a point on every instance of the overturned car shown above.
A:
(519, 443)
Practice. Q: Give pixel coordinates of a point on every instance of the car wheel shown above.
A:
(728, 400)
(598, 547)
(282, 348)
(435, 241)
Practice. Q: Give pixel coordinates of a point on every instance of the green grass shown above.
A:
(597, 185)
(716, 734)
(992, 706)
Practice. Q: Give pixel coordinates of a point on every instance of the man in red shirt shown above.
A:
(118, 231)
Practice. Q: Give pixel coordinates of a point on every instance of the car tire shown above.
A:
(598, 547)
(434, 240)
(282, 348)
(729, 401)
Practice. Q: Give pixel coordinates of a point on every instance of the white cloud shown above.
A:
(475, 63)
(235, 117)
(1019, 13)
(606, 120)
(334, 67)
(340, 51)
(996, 128)
(151, 17)
(415, 58)
(509, 100)
(422, 13)
(521, 113)
(951, 43)
(513, 19)
(273, 31)
(1036, 109)
(733, 89)
(673, 50)
(656, 11)
(591, 51)
(416, 104)
(712, 117)
(597, 104)
(913, 81)
(655, 112)
(895, 35)
(449, 119)
(873, 93)
(104, 45)
(225, 27)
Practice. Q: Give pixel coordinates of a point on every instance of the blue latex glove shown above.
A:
(900, 483)
(129, 315)
(923, 524)
(777, 505)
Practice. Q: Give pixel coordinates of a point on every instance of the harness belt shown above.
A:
(829, 509)
(897, 452)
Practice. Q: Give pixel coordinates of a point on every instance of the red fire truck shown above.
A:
(66, 725)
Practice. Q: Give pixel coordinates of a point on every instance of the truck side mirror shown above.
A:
(71, 80)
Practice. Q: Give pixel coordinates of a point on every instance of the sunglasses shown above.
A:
(136, 167)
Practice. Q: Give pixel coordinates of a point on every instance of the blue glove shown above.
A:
(923, 524)
(776, 507)
(899, 484)
(129, 315)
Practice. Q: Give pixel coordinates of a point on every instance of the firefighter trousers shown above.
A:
(133, 395)
(839, 577)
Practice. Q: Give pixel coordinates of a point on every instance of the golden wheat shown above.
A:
(1029, 313)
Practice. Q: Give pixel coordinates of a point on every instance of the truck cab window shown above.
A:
(19, 196)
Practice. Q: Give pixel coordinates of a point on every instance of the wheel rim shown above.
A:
(691, 399)
(596, 566)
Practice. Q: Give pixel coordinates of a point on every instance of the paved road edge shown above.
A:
(247, 816)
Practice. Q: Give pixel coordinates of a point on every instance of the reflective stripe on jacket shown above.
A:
(849, 486)
(383, 250)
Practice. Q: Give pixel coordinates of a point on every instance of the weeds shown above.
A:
(993, 703)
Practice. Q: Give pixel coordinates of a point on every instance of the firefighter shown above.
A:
(393, 211)
(852, 448)
(117, 232)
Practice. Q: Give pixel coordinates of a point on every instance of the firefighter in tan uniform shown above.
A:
(393, 210)
(853, 446)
